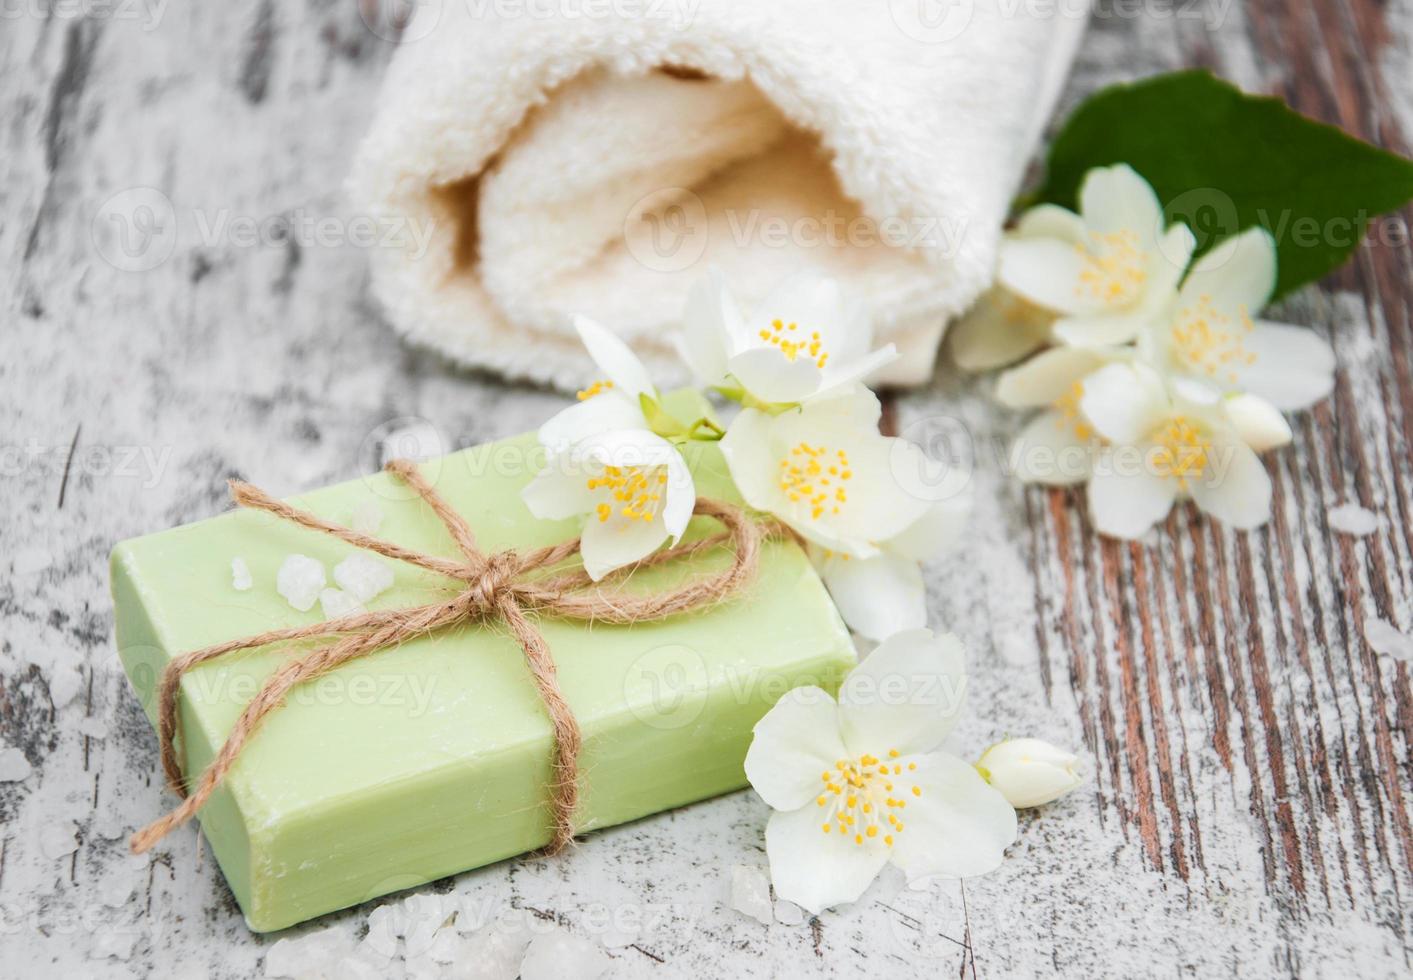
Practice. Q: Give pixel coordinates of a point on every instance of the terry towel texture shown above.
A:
(564, 156)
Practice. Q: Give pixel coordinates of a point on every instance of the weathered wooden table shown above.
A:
(1249, 802)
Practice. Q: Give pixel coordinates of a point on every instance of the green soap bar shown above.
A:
(433, 757)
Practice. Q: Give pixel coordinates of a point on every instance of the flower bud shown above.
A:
(1029, 772)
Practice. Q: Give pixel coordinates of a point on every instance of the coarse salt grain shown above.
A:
(1353, 520)
(300, 580)
(366, 518)
(1386, 640)
(337, 602)
(14, 767)
(240, 575)
(363, 577)
(750, 893)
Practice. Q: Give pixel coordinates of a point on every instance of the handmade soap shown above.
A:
(433, 757)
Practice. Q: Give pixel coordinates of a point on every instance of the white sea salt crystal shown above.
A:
(363, 577)
(308, 955)
(615, 938)
(28, 561)
(448, 947)
(384, 928)
(499, 949)
(117, 887)
(58, 840)
(110, 826)
(424, 915)
(359, 966)
(750, 893)
(300, 580)
(92, 727)
(337, 602)
(367, 518)
(788, 913)
(1387, 641)
(240, 575)
(64, 684)
(14, 767)
(1352, 519)
(557, 954)
(115, 943)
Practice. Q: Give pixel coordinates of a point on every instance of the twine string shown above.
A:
(500, 587)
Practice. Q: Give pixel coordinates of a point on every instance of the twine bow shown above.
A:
(498, 586)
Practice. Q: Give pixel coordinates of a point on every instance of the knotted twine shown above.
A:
(497, 587)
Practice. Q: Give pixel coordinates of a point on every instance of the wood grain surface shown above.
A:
(1251, 782)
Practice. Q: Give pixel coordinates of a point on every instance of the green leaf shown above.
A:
(1222, 161)
(659, 420)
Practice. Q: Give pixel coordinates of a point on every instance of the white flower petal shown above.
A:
(1101, 329)
(711, 329)
(793, 744)
(1044, 271)
(619, 542)
(936, 531)
(1126, 505)
(1234, 487)
(906, 695)
(1196, 390)
(1048, 376)
(558, 491)
(1050, 221)
(614, 358)
(1294, 367)
(999, 330)
(1239, 271)
(854, 370)
(769, 375)
(818, 303)
(1049, 451)
(1259, 423)
(604, 412)
(750, 458)
(877, 596)
(1115, 199)
(681, 497)
(818, 870)
(1167, 263)
(881, 504)
(1124, 402)
(959, 826)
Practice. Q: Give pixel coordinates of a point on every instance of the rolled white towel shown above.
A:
(546, 158)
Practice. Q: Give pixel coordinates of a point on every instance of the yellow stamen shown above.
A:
(1180, 450)
(787, 337)
(1115, 269)
(597, 388)
(633, 491)
(805, 476)
(1205, 340)
(866, 810)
